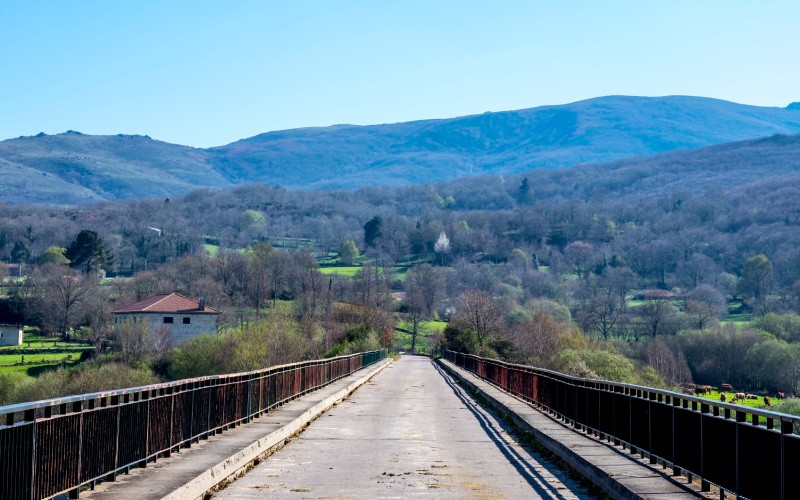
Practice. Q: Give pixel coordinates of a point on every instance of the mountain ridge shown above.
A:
(75, 168)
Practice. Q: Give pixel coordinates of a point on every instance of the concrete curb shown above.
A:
(586, 468)
(236, 465)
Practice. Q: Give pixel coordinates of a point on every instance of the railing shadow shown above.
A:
(538, 482)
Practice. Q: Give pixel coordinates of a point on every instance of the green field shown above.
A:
(427, 329)
(751, 403)
(296, 243)
(212, 250)
(40, 358)
(736, 319)
(39, 352)
(400, 273)
(346, 271)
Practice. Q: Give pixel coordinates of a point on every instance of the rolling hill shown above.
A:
(74, 168)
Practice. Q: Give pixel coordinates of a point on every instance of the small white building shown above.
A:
(184, 317)
(10, 335)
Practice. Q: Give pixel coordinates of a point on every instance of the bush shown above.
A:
(783, 326)
(717, 356)
(790, 406)
(272, 341)
(597, 362)
(8, 385)
(89, 377)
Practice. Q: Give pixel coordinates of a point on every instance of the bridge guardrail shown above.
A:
(58, 445)
(750, 452)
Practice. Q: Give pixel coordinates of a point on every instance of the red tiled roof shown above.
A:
(167, 303)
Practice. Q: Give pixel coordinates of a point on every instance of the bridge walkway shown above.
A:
(410, 431)
(188, 473)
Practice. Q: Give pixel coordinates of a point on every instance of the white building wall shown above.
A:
(10, 335)
(198, 323)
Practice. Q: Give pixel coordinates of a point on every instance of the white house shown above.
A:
(10, 335)
(184, 317)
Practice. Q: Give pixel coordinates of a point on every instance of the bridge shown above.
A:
(366, 426)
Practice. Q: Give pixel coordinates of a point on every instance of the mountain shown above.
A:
(702, 172)
(74, 168)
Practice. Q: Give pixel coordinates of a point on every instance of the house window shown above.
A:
(187, 321)
(167, 319)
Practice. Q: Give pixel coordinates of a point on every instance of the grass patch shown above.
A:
(750, 403)
(400, 273)
(736, 319)
(426, 330)
(292, 242)
(212, 250)
(41, 354)
(40, 358)
(346, 271)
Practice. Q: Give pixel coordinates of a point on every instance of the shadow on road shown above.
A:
(539, 483)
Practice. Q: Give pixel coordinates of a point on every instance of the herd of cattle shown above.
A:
(702, 390)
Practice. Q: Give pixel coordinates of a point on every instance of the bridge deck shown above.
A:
(409, 432)
(604, 464)
(167, 475)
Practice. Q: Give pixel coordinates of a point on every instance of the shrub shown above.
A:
(89, 377)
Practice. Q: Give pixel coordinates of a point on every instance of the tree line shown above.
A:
(586, 270)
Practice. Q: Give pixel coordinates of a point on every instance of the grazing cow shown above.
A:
(741, 395)
(767, 401)
(722, 398)
(725, 388)
(701, 390)
(781, 395)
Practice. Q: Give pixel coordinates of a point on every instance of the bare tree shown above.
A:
(671, 365)
(540, 339)
(601, 312)
(659, 317)
(64, 296)
(133, 339)
(422, 291)
(479, 313)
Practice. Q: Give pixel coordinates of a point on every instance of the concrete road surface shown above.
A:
(409, 432)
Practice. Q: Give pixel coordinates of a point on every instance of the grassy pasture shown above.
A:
(39, 352)
(427, 329)
(212, 250)
(40, 358)
(346, 271)
(750, 403)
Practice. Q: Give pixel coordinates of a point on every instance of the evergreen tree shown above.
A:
(89, 252)
(20, 253)
(372, 230)
(524, 191)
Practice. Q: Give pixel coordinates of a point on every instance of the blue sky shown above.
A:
(206, 73)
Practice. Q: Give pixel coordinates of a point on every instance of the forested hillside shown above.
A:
(74, 169)
(683, 266)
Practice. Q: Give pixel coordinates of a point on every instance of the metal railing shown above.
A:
(750, 452)
(59, 445)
